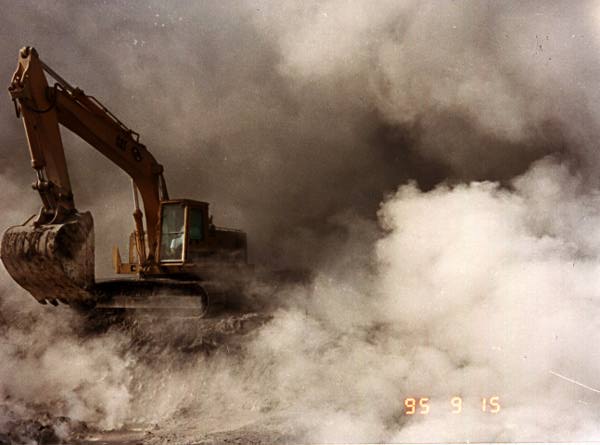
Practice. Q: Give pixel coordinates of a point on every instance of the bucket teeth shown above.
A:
(52, 261)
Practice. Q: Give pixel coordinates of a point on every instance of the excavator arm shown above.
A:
(52, 255)
(43, 108)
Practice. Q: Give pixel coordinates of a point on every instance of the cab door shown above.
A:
(172, 233)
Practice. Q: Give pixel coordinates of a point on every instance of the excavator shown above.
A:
(177, 257)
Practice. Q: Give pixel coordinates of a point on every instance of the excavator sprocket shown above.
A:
(54, 262)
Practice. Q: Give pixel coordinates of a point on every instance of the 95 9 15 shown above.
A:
(455, 405)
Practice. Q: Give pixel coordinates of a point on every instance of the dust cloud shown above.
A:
(473, 292)
(435, 163)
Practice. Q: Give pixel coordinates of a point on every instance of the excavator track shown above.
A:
(160, 295)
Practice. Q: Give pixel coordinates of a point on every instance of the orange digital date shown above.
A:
(421, 405)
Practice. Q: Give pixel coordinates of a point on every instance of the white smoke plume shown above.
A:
(476, 291)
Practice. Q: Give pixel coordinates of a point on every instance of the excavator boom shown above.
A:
(43, 108)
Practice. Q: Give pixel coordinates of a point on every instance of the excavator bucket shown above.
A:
(54, 262)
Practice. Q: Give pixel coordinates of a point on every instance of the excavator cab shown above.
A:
(188, 238)
(188, 242)
(181, 223)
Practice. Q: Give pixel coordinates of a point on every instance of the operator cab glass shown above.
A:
(196, 224)
(183, 227)
(172, 236)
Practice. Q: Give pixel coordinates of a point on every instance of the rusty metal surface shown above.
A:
(54, 262)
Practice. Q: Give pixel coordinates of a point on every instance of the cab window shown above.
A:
(172, 232)
(196, 224)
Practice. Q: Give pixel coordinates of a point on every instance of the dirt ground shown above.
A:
(225, 335)
(48, 430)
